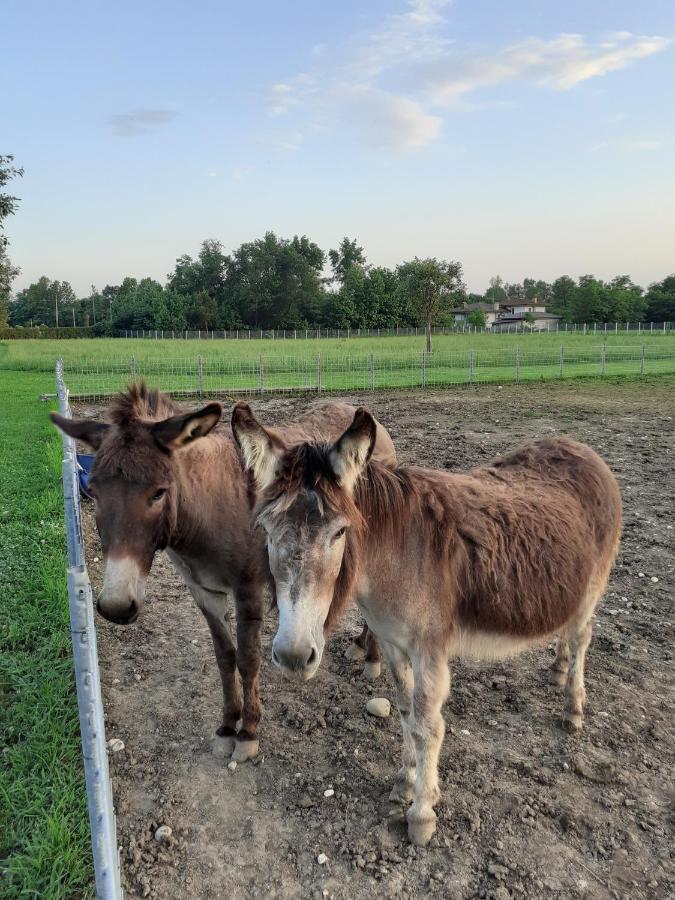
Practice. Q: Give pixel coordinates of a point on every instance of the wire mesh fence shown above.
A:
(262, 373)
(311, 334)
(87, 677)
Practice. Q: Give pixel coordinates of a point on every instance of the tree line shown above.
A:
(275, 282)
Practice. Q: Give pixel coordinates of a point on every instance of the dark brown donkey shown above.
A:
(482, 564)
(162, 479)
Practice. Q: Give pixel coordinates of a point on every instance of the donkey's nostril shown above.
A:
(312, 657)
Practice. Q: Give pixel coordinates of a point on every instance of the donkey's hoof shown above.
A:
(353, 651)
(223, 745)
(421, 831)
(402, 792)
(372, 670)
(244, 750)
(556, 676)
(572, 722)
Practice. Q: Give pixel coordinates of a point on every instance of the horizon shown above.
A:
(527, 142)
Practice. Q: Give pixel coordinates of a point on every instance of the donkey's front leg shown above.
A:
(401, 669)
(432, 682)
(215, 610)
(249, 604)
(373, 664)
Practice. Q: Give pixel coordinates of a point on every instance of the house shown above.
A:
(490, 311)
(538, 320)
(521, 307)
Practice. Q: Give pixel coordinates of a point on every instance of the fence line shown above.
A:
(307, 334)
(87, 678)
(324, 372)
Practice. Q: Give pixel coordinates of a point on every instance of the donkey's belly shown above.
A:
(471, 644)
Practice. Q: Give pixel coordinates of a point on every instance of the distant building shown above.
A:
(490, 310)
(509, 316)
(538, 321)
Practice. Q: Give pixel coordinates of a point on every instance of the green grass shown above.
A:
(103, 366)
(44, 832)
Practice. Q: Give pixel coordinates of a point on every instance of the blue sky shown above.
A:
(528, 138)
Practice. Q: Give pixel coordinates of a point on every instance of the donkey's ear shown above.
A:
(85, 430)
(260, 450)
(180, 430)
(352, 451)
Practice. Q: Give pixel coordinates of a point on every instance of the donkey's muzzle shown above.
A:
(118, 617)
(298, 660)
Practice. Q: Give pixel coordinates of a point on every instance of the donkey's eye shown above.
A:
(158, 495)
(339, 533)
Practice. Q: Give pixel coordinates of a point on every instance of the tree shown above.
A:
(8, 206)
(476, 318)
(347, 255)
(591, 302)
(429, 287)
(562, 297)
(496, 293)
(660, 299)
(529, 318)
(626, 300)
(44, 302)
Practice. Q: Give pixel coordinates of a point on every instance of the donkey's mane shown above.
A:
(141, 402)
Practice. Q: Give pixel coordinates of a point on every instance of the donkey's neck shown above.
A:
(212, 496)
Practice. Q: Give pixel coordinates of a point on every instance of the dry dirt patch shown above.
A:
(527, 810)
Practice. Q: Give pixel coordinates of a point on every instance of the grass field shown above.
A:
(99, 367)
(44, 834)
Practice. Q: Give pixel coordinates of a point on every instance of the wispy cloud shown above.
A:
(141, 121)
(394, 83)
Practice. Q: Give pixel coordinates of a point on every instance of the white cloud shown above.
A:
(391, 83)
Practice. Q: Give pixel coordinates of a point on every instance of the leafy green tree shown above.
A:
(202, 312)
(476, 318)
(276, 283)
(496, 293)
(347, 255)
(562, 297)
(626, 300)
(44, 302)
(429, 287)
(529, 318)
(8, 206)
(660, 300)
(591, 302)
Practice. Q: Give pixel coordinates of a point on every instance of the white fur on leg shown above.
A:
(372, 670)
(245, 750)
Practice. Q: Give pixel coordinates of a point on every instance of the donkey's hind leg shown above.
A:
(432, 682)
(561, 664)
(401, 669)
(575, 692)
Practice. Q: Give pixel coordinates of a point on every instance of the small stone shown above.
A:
(628, 802)
(115, 681)
(329, 793)
(654, 579)
(322, 859)
(232, 765)
(641, 574)
(163, 833)
(464, 731)
(137, 677)
(115, 745)
(378, 706)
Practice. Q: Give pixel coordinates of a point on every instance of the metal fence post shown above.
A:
(133, 368)
(423, 372)
(642, 360)
(517, 365)
(318, 372)
(261, 375)
(200, 377)
(470, 366)
(372, 371)
(562, 359)
(602, 360)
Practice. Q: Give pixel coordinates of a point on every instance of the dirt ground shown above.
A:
(527, 810)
